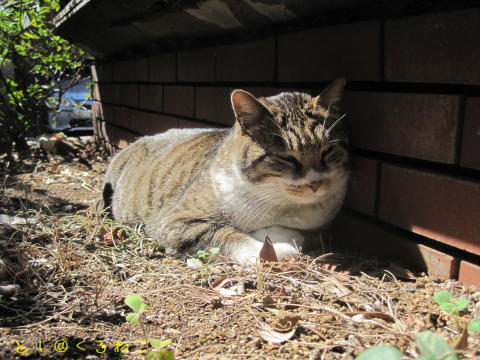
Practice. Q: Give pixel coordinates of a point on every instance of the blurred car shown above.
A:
(74, 114)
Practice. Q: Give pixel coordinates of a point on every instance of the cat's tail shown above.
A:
(104, 203)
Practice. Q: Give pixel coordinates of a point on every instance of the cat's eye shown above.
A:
(292, 160)
(335, 154)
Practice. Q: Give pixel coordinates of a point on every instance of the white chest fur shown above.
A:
(255, 207)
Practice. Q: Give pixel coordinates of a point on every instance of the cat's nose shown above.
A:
(315, 185)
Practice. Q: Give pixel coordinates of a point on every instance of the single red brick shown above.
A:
(213, 104)
(149, 123)
(234, 65)
(122, 117)
(121, 71)
(355, 233)
(325, 53)
(162, 68)
(438, 263)
(471, 134)
(135, 70)
(469, 273)
(422, 126)
(151, 97)
(108, 113)
(102, 73)
(196, 65)
(439, 207)
(141, 69)
(434, 48)
(361, 195)
(128, 95)
(109, 93)
(178, 100)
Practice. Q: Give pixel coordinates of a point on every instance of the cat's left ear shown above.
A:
(332, 94)
(247, 108)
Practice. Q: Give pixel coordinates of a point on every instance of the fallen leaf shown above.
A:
(108, 236)
(286, 323)
(369, 314)
(273, 336)
(462, 342)
(267, 252)
(236, 287)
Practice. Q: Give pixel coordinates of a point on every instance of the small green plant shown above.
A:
(381, 353)
(432, 347)
(137, 317)
(474, 325)
(204, 259)
(455, 306)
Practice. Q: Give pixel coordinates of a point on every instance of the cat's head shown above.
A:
(293, 142)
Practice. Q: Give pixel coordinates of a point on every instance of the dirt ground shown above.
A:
(69, 270)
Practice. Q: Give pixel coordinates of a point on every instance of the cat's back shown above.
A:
(148, 148)
(144, 175)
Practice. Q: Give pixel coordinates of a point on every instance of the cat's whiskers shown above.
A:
(255, 204)
(329, 130)
(333, 141)
(263, 210)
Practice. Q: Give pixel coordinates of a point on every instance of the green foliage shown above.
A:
(433, 346)
(162, 354)
(159, 353)
(203, 259)
(158, 344)
(444, 299)
(380, 353)
(474, 325)
(40, 59)
(135, 302)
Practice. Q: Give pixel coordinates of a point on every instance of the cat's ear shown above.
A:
(332, 94)
(248, 110)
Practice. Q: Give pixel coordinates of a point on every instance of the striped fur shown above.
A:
(280, 170)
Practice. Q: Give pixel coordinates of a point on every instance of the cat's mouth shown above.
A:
(315, 188)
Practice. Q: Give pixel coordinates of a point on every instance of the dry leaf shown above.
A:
(273, 336)
(108, 236)
(286, 323)
(369, 314)
(462, 342)
(235, 288)
(267, 252)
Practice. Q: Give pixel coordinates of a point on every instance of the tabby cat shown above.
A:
(281, 171)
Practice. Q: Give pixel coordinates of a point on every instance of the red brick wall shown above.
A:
(413, 104)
